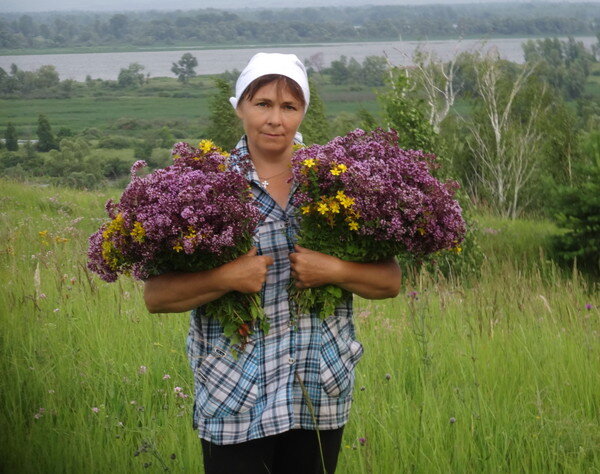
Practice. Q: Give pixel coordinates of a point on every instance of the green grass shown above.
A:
(80, 113)
(512, 358)
(156, 103)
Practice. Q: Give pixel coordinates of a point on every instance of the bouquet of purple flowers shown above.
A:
(194, 215)
(364, 199)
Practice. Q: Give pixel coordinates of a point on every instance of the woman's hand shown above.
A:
(247, 273)
(311, 269)
(178, 292)
(369, 280)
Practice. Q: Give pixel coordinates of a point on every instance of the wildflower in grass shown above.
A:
(588, 306)
(177, 389)
(363, 388)
(142, 370)
(95, 409)
(368, 200)
(50, 391)
(133, 402)
(362, 441)
(388, 376)
(452, 420)
(56, 310)
(37, 416)
(42, 296)
(166, 377)
(193, 215)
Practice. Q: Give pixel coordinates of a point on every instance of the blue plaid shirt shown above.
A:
(258, 394)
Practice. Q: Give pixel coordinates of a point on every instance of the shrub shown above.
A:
(115, 142)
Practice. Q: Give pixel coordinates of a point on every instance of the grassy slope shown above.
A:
(512, 357)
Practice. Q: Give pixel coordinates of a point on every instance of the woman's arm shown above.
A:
(368, 280)
(179, 292)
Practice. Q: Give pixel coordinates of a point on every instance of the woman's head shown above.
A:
(263, 68)
(271, 99)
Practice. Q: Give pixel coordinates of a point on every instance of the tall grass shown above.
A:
(497, 375)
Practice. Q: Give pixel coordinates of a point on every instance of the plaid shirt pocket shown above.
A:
(226, 386)
(339, 356)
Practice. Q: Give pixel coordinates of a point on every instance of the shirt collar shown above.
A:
(243, 153)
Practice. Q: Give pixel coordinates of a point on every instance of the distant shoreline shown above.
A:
(186, 47)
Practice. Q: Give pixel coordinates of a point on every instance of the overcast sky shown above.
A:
(119, 5)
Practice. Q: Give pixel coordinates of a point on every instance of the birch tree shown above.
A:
(436, 80)
(505, 143)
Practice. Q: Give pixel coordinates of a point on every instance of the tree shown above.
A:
(118, 25)
(339, 71)
(436, 80)
(315, 127)
(10, 137)
(578, 208)
(506, 144)
(374, 69)
(46, 139)
(403, 112)
(184, 68)
(46, 77)
(225, 128)
(565, 65)
(315, 62)
(132, 76)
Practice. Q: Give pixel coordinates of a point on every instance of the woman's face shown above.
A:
(271, 119)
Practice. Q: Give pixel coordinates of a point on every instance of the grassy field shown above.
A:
(161, 101)
(492, 374)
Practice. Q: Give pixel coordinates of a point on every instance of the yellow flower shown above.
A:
(353, 225)
(116, 226)
(297, 146)
(305, 209)
(138, 232)
(206, 146)
(309, 162)
(421, 231)
(323, 208)
(177, 247)
(334, 206)
(191, 233)
(43, 234)
(61, 240)
(338, 169)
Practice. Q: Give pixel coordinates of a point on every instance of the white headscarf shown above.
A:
(262, 64)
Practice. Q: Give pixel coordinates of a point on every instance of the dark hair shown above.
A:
(282, 82)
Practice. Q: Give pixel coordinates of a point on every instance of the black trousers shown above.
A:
(293, 452)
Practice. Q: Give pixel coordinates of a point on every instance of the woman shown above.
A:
(281, 406)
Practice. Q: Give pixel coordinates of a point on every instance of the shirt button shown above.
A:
(291, 360)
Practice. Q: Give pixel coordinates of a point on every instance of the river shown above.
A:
(214, 61)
